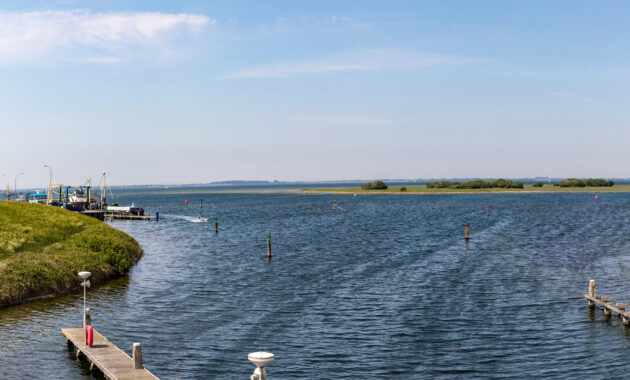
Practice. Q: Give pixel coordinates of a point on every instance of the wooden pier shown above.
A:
(98, 214)
(607, 304)
(111, 360)
(130, 217)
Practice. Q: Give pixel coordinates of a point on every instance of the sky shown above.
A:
(176, 92)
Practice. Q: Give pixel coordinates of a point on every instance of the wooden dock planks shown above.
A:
(130, 217)
(607, 307)
(98, 214)
(111, 360)
(605, 304)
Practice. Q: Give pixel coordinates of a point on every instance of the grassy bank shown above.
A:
(42, 248)
(424, 190)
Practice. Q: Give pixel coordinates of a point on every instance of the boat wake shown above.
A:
(191, 219)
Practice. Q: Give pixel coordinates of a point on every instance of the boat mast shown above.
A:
(88, 191)
(104, 196)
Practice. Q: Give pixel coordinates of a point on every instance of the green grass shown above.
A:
(424, 190)
(42, 248)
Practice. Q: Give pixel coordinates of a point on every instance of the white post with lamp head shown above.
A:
(85, 284)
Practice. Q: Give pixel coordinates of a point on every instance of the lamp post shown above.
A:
(85, 284)
(49, 184)
(15, 184)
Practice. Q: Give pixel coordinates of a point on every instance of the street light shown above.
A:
(85, 284)
(49, 183)
(15, 184)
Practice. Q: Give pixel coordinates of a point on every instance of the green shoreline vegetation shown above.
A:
(42, 248)
(476, 184)
(570, 185)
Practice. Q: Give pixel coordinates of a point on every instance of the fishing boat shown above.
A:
(78, 197)
(41, 198)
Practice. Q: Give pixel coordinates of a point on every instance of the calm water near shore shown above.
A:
(385, 287)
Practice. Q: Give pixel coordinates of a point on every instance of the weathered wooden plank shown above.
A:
(111, 360)
(130, 217)
(606, 305)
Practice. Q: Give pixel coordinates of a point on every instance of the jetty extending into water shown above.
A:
(131, 217)
(98, 214)
(109, 359)
(607, 305)
(103, 214)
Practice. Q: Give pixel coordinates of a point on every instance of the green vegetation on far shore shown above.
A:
(573, 182)
(421, 189)
(43, 247)
(476, 184)
(376, 185)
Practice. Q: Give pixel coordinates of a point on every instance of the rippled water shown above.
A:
(384, 287)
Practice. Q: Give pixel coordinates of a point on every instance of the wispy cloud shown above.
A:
(342, 119)
(295, 24)
(358, 60)
(574, 97)
(81, 35)
(99, 59)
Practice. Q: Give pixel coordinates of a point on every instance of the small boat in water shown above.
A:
(125, 210)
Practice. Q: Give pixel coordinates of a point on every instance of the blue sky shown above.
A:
(198, 91)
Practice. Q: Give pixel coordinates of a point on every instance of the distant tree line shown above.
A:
(476, 184)
(376, 185)
(573, 182)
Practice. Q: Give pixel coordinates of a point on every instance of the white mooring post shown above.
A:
(260, 360)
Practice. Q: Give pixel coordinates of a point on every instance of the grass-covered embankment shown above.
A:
(43, 247)
(426, 190)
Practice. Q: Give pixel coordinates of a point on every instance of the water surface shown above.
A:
(384, 287)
